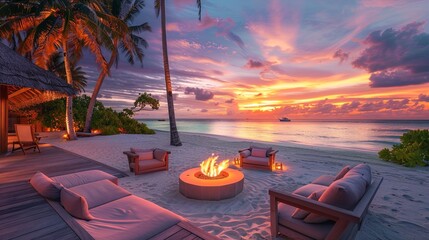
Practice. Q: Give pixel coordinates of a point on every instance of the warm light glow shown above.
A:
(96, 131)
(237, 161)
(210, 168)
(66, 136)
(278, 166)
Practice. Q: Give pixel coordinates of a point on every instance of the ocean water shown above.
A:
(368, 135)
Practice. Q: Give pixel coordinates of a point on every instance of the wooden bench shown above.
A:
(346, 223)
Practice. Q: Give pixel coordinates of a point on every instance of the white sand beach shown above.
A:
(400, 209)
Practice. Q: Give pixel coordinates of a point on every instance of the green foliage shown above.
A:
(143, 100)
(412, 151)
(108, 121)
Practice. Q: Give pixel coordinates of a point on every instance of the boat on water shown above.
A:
(284, 119)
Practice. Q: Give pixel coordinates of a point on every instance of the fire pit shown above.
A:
(211, 181)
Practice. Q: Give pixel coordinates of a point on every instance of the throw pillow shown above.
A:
(75, 204)
(245, 153)
(362, 170)
(45, 186)
(342, 172)
(259, 152)
(344, 193)
(301, 213)
(159, 154)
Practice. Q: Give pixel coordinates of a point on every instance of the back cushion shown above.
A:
(79, 178)
(75, 204)
(344, 193)
(258, 152)
(100, 192)
(147, 155)
(267, 150)
(362, 170)
(159, 154)
(342, 172)
(45, 186)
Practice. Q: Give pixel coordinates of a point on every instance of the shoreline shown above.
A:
(398, 211)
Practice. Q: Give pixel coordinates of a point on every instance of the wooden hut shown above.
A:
(22, 84)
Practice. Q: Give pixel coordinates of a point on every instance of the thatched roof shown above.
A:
(27, 83)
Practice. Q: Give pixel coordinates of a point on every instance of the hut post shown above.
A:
(3, 119)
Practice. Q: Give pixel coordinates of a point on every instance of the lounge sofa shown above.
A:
(147, 160)
(257, 157)
(330, 207)
(95, 207)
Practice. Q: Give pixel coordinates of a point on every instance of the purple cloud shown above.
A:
(200, 94)
(254, 64)
(343, 56)
(424, 98)
(396, 57)
(204, 110)
(230, 100)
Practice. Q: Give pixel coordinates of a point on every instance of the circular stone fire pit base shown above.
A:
(211, 189)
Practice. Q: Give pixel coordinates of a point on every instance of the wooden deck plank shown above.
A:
(24, 214)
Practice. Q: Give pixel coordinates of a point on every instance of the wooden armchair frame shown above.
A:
(134, 158)
(347, 223)
(26, 138)
(271, 159)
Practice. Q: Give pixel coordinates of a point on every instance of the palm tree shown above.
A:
(51, 25)
(129, 43)
(174, 134)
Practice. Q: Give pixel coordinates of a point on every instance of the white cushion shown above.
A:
(344, 193)
(75, 204)
(258, 152)
(100, 192)
(362, 170)
(45, 186)
(79, 178)
(301, 213)
(308, 189)
(343, 172)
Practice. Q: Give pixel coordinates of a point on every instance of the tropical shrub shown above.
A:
(52, 115)
(412, 151)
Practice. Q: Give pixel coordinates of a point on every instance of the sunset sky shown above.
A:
(266, 59)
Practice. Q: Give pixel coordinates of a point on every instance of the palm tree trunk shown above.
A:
(97, 88)
(69, 100)
(174, 134)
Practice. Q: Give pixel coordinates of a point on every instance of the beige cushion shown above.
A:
(342, 172)
(362, 170)
(147, 155)
(75, 204)
(344, 193)
(134, 150)
(308, 189)
(245, 153)
(267, 150)
(100, 192)
(74, 179)
(129, 218)
(256, 160)
(313, 231)
(45, 186)
(159, 154)
(301, 213)
(152, 163)
(258, 152)
(324, 180)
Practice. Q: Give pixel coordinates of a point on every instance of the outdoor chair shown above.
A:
(26, 138)
(147, 160)
(258, 157)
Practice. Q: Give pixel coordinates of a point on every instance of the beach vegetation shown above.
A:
(412, 151)
(160, 10)
(108, 121)
(128, 41)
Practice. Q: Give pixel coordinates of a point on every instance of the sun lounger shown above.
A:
(328, 208)
(95, 207)
(26, 138)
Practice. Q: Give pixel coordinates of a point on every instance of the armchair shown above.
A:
(257, 157)
(147, 160)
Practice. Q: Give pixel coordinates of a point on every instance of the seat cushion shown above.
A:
(362, 170)
(316, 231)
(256, 160)
(152, 163)
(100, 192)
(343, 172)
(308, 189)
(129, 218)
(74, 179)
(344, 193)
(45, 186)
(75, 204)
(324, 180)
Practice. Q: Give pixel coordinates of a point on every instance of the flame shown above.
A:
(210, 168)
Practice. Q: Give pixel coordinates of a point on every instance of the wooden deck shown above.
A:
(24, 214)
